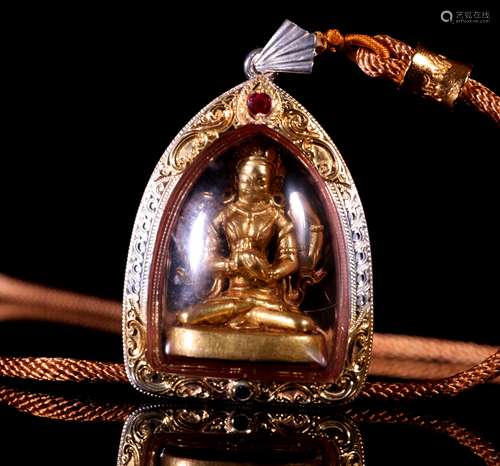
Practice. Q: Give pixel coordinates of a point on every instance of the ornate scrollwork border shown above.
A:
(292, 121)
(147, 422)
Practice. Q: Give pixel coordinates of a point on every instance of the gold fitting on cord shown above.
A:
(436, 77)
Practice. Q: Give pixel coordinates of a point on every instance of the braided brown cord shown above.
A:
(481, 98)
(416, 370)
(22, 300)
(450, 386)
(393, 60)
(413, 348)
(62, 408)
(411, 357)
(400, 356)
(480, 447)
(375, 66)
(62, 370)
(77, 370)
(67, 409)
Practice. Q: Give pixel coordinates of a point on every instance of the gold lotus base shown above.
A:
(246, 345)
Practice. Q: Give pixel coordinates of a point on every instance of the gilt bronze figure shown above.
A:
(259, 284)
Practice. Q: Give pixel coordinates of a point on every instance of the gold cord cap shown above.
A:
(436, 77)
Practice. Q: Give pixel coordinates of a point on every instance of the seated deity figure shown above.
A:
(258, 268)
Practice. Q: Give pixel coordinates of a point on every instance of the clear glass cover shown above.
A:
(250, 282)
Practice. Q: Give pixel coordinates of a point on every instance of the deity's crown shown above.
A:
(258, 151)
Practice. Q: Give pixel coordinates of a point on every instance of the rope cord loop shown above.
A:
(64, 408)
(382, 56)
(397, 356)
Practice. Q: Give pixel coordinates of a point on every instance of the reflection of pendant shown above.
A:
(249, 271)
(204, 436)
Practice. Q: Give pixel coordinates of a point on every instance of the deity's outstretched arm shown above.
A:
(288, 259)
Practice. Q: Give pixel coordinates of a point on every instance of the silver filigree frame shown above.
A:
(291, 120)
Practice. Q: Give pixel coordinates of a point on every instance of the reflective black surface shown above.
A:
(391, 434)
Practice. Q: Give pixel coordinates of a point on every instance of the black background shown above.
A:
(92, 97)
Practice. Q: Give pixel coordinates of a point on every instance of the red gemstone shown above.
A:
(259, 102)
